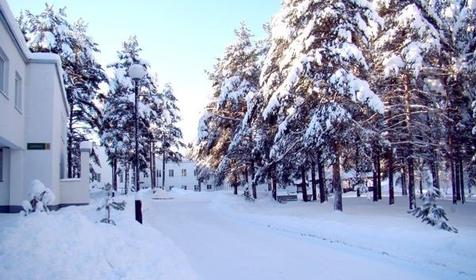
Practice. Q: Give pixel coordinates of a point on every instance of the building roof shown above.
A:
(6, 16)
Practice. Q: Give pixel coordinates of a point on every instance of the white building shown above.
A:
(33, 118)
(181, 175)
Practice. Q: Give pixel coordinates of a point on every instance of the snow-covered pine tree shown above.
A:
(459, 69)
(316, 71)
(430, 212)
(117, 133)
(407, 77)
(166, 131)
(224, 146)
(50, 31)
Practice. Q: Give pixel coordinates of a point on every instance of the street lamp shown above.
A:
(137, 72)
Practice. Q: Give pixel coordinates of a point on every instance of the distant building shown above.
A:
(182, 175)
(33, 118)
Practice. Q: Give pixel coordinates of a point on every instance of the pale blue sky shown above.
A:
(180, 38)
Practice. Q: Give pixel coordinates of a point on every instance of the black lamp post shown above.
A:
(137, 72)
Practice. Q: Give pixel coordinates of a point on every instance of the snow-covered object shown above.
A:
(431, 213)
(40, 197)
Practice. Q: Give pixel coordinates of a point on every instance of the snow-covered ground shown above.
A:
(216, 235)
(226, 237)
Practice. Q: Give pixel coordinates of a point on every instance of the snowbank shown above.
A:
(70, 244)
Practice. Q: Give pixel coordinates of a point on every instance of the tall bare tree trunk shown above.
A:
(303, 184)
(453, 181)
(411, 183)
(457, 179)
(152, 167)
(403, 179)
(253, 182)
(114, 174)
(313, 181)
(127, 178)
(273, 184)
(391, 197)
(435, 175)
(336, 183)
(374, 181)
(461, 179)
(322, 186)
(163, 171)
(379, 176)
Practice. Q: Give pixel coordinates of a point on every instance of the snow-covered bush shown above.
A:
(109, 203)
(431, 213)
(40, 197)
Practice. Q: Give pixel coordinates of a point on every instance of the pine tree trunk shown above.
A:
(163, 171)
(461, 179)
(391, 197)
(457, 179)
(322, 186)
(453, 180)
(273, 183)
(303, 184)
(403, 179)
(421, 179)
(411, 183)
(253, 182)
(235, 185)
(379, 176)
(374, 181)
(114, 174)
(435, 175)
(70, 142)
(151, 167)
(127, 178)
(409, 148)
(336, 183)
(313, 181)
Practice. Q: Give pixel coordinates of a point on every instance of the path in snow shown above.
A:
(220, 247)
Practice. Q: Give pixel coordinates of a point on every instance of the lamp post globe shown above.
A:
(137, 72)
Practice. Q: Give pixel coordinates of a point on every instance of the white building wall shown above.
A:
(41, 119)
(12, 121)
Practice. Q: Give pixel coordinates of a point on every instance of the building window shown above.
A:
(184, 172)
(1, 165)
(3, 73)
(146, 175)
(184, 187)
(18, 93)
(209, 187)
(195, 172)
(171, 173)
(159, 173)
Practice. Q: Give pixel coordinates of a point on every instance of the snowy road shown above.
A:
(221, 246)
